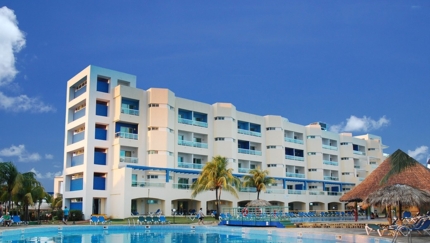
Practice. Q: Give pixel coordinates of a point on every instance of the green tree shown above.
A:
(39, 194)
(57, 202)
(9, 179)
(259, 179)
(27, 186)
(216, 177)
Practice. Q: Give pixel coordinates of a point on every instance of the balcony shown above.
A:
(244, 170)
(324, 146)
(334, 193)
(292, 140)
(275, 191)
(147, 184)
(133, 160)
(192, 144)
(296, 175)
(250, 133)
(316, 193)
(77, 160)
(181, 186)
(296, 192)
(190, 165)
(248, 151)
(130, 111)
(328, 162)
(247, 189)
(358, 152)
(292, 157)
(331, 178)
(356, 167)
(192, 122)
(126, 135)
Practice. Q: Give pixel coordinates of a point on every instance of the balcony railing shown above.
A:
(358, 152)
(124, 159)
(356, 167)
(192, 122)
(147, 184)
(292, 140)
(334, 193)
(181, 186)
(248, 151)
(126, 135)
(247, 132)
(247, 189)
(331, 178)
(190, 165)
(275, 191)
(316, 193)
(328, 162)
(296, 175)
(329, 147)
(244, 170)
(192, 144)
(296, 192)
(292, 157)
(130, 111)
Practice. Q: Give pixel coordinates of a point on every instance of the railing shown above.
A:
(192, 122)
(358, 152)
(190, 165)
(297, 175)
(334, 193)
(130, 111)
(147, 184)
(291, 157)
(192, 144)
(292, 140)
(181, 186)
(275, 191)
(247, 132)
(128, 159)
(247, 189)
(248, 151)
(329, 147)
(328, 162)
(331, 178)
(244, 170)
(316, 193)
(356, 167)
(296, 192)
(126, 135)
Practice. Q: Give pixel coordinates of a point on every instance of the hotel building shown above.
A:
(132, 150)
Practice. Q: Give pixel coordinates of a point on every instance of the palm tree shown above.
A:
(24, 191)
(215, 177)
(9, 177)
(38, 193)
(57, 202)
(259, 179)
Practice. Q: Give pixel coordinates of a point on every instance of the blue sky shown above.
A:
(359, 66)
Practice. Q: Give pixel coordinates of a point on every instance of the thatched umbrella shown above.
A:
(258, 203)
(397, 195)
(399, 168)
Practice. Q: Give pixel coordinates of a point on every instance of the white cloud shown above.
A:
(23, 103)
(47, 175)
(20, 152)
(419, 153)
(356, 124)
(49, 156)
(12, 40)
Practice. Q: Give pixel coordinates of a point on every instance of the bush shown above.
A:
(78, 215)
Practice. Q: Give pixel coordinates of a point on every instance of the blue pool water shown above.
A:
(169, 233)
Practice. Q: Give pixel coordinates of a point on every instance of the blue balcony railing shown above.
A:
(124, 159)
(249, 151)
(130, 111)
(297, 175)
(328, 162)
(190, 165)
(192, 144)
(250, 133)
(192, 122)
(324, 146)
(292, 157)
(292, 140)
(126, 135)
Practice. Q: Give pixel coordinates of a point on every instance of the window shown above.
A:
(271, 147)
(311, 137)
(371, 149)
(312, 153)
(313, 187)
(219, 139)
(271, 165)
(345, 173)
(153, 105)
(152, 128)
(219, 118)
(290, 187)
(270, 128)
(344, 143)
(152, 151)
(81, 85)
(344, 158)
(152, 176)
(312, 170)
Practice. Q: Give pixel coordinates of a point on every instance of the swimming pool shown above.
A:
(172, 233)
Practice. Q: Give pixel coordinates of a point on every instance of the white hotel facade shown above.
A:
(130, 150)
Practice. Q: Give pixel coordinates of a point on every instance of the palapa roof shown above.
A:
(414, 175)
(258, 203)
(399, 194)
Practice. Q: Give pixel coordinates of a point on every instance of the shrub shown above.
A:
(78, 215)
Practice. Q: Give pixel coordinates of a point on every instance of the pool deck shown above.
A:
(354, 228)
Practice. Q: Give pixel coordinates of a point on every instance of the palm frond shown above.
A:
(400, 161)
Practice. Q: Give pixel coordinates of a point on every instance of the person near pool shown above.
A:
(201, 216)
(65, 214)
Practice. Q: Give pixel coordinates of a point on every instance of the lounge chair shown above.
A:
(141, 220)
(163, 220)
(102, 220)
(148, 220)
(94, 220)
(374, 227)
(16, 220)
(423, 226)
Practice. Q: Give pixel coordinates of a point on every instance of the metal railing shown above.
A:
(147, 184)
(128, 159)
(190, 165)
(296, 175)
(292, 140)
(192, 144)
(130, 111)
(248, 151)
(127, 135)
(292, 157)
(247, 132)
